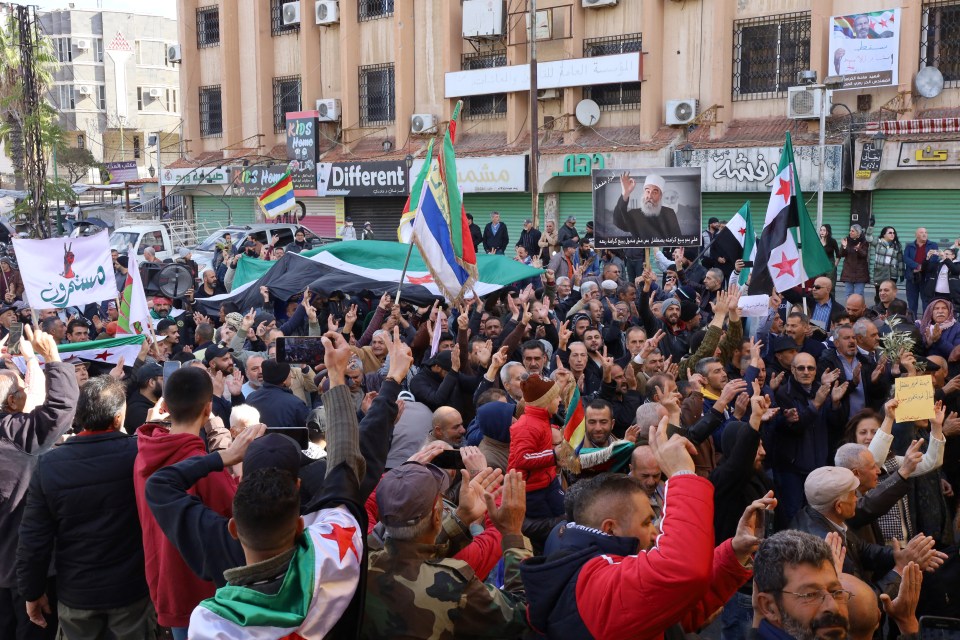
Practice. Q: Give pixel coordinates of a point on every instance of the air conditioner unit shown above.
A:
(291, 14)
(482, 19)
(423, 123)
(329, 110)
(593, 4)
(327, 12)
(155, 93)
(174, 53)
(549, 94)
(805, 103)
(82, 45)
(84, 89)
(680, 111)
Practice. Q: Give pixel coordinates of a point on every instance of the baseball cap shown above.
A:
(784, 343)
(442, 359)
(569, 244)
(215, 351)
(272, 451)
(148, 371)
(528, 221)
(407, 493)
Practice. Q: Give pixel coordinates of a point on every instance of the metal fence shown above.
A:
(940, 39)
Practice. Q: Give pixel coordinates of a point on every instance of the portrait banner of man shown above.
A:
(865, 48)
(657, 207)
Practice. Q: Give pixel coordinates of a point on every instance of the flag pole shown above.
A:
(403, 273)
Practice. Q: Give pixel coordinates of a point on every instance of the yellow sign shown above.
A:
(863, 174)
(928, 154)
(915, 395)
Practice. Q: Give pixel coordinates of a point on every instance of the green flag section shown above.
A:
(108, 351)
(381, 260)
(815, 260)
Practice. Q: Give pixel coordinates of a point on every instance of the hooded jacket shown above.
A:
(531, 448)
(593, 585)
(174, 589)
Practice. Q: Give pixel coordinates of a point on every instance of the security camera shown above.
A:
(809, 76)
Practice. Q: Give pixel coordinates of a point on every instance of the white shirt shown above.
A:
(942, 285)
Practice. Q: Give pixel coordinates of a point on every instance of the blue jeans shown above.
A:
(737, 617)
(179, 633)
(855, 287)
(913, 295)
(546, 502)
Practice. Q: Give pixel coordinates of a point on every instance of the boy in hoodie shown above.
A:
(174, 588)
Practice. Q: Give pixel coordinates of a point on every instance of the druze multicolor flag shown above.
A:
(279, 198)
(64, 272)
(789, 251)
(575, 426)
(107, 351)
(134, 314)
(405, 230)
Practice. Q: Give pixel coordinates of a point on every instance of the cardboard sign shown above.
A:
(754, 306)
(916, 398)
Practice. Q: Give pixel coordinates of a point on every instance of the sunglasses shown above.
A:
(805, 368)
(819, 286)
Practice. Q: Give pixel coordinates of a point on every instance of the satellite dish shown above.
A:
(588, 113)
(174, 280)
(929, 82)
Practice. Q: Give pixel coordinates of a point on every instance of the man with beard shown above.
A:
(676, 341)
(798, 591)
(620, 390)
(447, 426)
(651, 221)
(602, 450)
(150, 388)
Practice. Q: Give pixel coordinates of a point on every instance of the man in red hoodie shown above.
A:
(531, 448)
(174, 588)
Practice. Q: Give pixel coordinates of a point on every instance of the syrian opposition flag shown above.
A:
(134, 315)
(735, 241)
(788, 252)
(107, 351)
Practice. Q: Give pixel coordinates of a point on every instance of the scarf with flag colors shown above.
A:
(575, 426)
(106, 351)
(789, 251)
(614, 458)
(134, 314)
(279, 198)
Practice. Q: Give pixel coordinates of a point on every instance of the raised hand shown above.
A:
(750, 528)
(838, 391)
(835, 542)
(508, 517)
(903, 608)
(627, 185)
(911, 459)
(401, 357)
(674, 454)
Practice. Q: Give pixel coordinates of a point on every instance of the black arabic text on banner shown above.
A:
(302, 151)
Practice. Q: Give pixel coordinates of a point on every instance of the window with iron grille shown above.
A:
(620, 95)
(208, 27)
(940, 39)
(277, 28)
(492, 105)
(286, 98)
(211, 112)
(377, 101)
(81, 141)
(136, 147)
(373, 9)
(767, 54)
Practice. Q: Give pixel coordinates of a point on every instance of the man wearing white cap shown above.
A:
(652, 221)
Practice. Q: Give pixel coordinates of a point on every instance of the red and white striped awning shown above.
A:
(906, 127)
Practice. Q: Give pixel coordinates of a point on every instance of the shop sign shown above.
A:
(580, 164)
(929, 155)
(253, 181)
(871, 157)
(121, 172)
(193, 177)
(302, 151)
(754, 168)
(496, 174)
(362, 179)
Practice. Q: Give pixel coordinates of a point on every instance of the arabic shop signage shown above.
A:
(192, 177)
(580, 164)
(753, 168)
(121, 172)
(302, 151)
(929, 155)
(498, 174)
(253, 181)
(362, 179)
(870, 158)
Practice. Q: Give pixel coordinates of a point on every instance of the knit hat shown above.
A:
(538, 392)
(262, 317)
(275, 372)
(688, 309)
(826, 485)
(235, 320)
(669, 302)
(609, 285)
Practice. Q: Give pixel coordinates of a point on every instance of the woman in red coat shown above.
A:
(531, 448)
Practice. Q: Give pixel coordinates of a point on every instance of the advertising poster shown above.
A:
(865, 48)
(302, 151)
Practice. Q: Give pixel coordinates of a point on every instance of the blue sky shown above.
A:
(166, 8)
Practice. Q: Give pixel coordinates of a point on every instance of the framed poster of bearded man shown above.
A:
(646, 207)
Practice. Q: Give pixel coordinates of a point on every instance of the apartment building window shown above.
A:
(277, 28)
(81, 141)
(98, 49)
(66, 97)
(211, 112)
(373, 9)
(139, 98)
(102, 97)
(619, 95)
(63, 47)
(377, 98)
(767, 54)
(172, 100)
(208, 27)
(493, 105)
(136, 147)
(286, 98)
(940, 39)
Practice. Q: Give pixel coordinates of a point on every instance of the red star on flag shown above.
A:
(784, 190)
(103, 356)
(742, 231)
(420, 280)
(785, 265)
(883, 23)
(344, 539)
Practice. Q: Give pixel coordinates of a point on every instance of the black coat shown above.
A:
(452, 391)
(476, 235)
(137, 408)
(278, 407)
(496, 242)
(530, 240)
(82, 510)
(736, 483)
(874, 393)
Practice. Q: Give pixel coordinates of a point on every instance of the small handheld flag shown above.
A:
(279, 198)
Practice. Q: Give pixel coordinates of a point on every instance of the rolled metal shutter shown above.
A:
(383, 214)
(216, 212)
(514, 208)
(321, 216)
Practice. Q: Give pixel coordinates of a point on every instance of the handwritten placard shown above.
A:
(915, 395)
(754, 306)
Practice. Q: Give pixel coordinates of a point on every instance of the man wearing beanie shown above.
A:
(831, 494)
(275, 401)
(532, 448)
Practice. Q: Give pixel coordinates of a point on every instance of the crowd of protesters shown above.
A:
(740, 477)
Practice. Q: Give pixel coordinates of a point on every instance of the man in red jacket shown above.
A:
(531, 448)
(609, 575)
(174, 588)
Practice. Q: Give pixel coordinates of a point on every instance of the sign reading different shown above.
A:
(121, 172)
(253, 181)
(362, 179)
(191, 177)
(499, 174)
(865, 48)
(754, 168)
(302, 151)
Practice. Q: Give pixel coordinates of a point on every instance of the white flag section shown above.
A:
(134, 313)
(63, 272)
(108, 351)
(783, 262)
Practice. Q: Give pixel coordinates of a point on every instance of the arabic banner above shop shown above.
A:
(121, 172)
(559, 169)
(195, 176)
(754, 168)
(497, 174)
(362, 179)
(253, 181)
(929, 155)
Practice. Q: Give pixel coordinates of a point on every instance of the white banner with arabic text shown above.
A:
(64, 272)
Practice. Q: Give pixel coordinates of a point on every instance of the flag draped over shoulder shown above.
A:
(575, 426)
(789, 251)
(440, 228)
(134, 315)
(279, 198)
